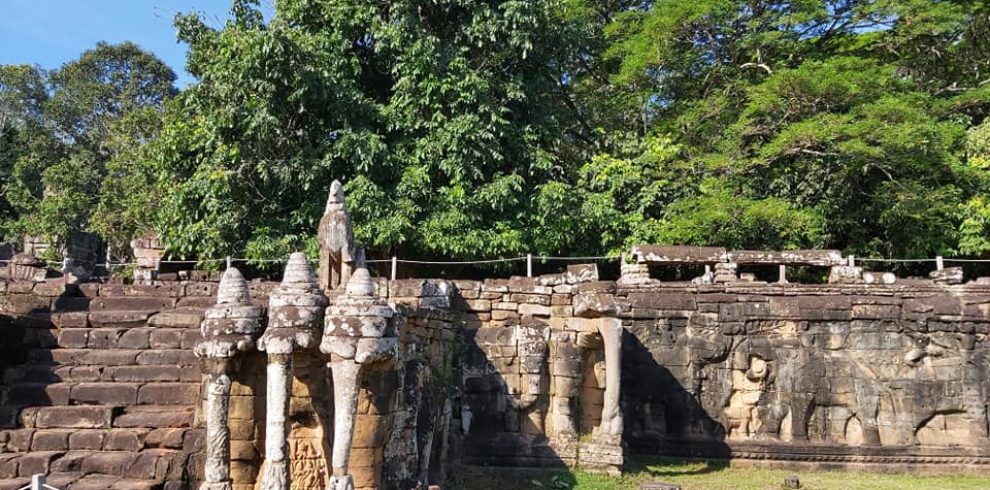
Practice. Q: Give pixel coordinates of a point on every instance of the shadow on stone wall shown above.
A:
(659, 412)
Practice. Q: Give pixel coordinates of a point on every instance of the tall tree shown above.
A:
(84, 112)
(23, 93)
(841, 122)
(443, 118)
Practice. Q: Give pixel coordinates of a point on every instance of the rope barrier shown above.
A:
(879, 259)
(456, 262)
(602, 257)
(527, 258)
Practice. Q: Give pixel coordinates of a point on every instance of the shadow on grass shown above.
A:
(473, 478)
(664, 467)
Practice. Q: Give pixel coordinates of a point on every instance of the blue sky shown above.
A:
(51, 32)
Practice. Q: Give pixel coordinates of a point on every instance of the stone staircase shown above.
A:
(103, 394)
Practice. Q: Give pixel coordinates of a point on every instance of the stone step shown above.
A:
(138, 385)
(120, 318)
(131, 303)
(46, 375)
(78, 481)
(114, 439)
(100, 417)
(112, 357)
(85, 470)
(156, 416)
(79, 316)
(126, 338)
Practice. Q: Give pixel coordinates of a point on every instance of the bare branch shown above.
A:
(757, 65)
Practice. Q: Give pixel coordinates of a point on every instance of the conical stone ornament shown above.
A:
(361, 285)
(233, 288)
(232, 324)
(295, 309)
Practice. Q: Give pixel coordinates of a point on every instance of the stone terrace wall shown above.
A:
(98, 384)
(100, 388)
(832, 375)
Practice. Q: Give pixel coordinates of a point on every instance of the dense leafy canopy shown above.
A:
(70, 135)
(484, 128)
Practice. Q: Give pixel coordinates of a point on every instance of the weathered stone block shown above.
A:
(168, 394)
(535, 310)
(876, 312)
(19, 440)
(662, 301)
(132, 303)
(845, 274)
(50, 440)
(89, 439)
(142, 374)
(106, 463)
(37, 462)
(165, 338)
(947, 276)
(70, 319)
(182, 318)
(592, 305)
(38, 394)
(116, 318)
(156, 417)
(105, 393)
(165, 438)
(155, 290)
(104, 338)
(179, 357)
(78, 417)
(679, 254)
(125, 440)
(135, 338)
(24, 304)
(535, 299)
(73, 338)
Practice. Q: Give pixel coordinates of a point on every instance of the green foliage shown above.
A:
(470, 129)
(79, 133)
(836, 123)
(740, 223)
(22, 95)
(974, 228)
(443, 119)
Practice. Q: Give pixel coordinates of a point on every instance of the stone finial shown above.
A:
(336, 198)
(361, 284)
(295, 309)
(233, 289)
(232, 325)
(336, 237)
(845, 274)
(148, 252)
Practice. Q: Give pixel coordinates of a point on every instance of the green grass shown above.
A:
(700, 475)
